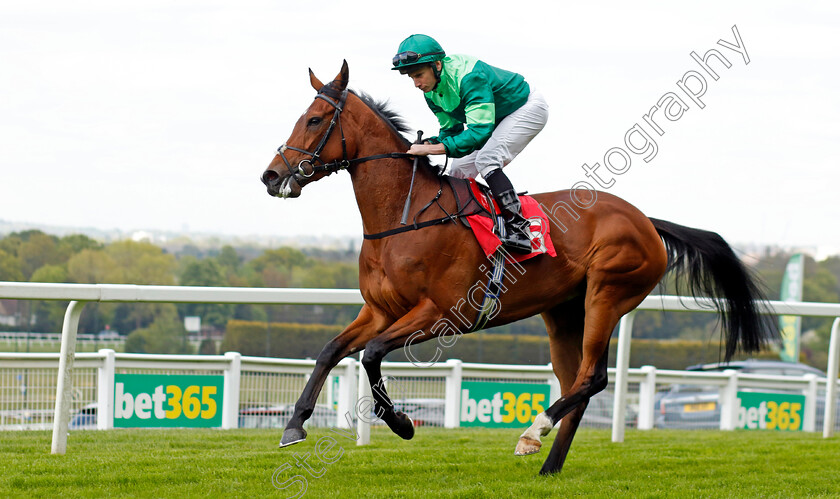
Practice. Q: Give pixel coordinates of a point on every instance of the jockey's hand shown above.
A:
(426, 149)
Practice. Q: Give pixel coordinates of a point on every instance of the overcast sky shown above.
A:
(163, 114)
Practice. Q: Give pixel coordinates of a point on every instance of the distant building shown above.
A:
(7, 318)
(11, 312)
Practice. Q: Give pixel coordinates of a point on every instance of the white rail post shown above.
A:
(647, 394)
(105, 390)
(346, 394)
(809, 422)
(452, 409)
(233, 376)
(831, 380)
(729, 401)
(555, 392)
(363, 406)
(63, 391)
(622, 363)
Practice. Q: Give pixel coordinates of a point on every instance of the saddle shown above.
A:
(486, 221)
(476, 209)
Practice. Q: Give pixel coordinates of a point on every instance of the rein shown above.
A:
(306, 168)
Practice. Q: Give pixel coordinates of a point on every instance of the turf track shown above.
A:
(437, 463)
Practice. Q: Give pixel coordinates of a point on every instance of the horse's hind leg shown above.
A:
(353, 338)
(570, 422)
(564, 325)
(589, 379)
(605, 303)
(620, 274)
(613, 289)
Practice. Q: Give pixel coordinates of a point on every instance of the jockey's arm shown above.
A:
(426, 149)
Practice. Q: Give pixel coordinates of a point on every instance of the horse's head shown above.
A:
(317, 146)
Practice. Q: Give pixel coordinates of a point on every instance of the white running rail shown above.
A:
(79, 294)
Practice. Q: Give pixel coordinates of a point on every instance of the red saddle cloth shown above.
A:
(482, 227)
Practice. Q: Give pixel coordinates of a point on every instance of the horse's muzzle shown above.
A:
(281, 187)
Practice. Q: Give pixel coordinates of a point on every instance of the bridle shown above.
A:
(308, 167)
(300, 174)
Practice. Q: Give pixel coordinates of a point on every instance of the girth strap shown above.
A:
(459, 214)
(415, 226)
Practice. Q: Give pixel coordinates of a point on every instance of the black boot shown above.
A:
(516, 228)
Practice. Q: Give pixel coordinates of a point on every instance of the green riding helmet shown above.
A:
(416, 50)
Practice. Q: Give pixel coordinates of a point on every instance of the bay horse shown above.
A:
(609, 258)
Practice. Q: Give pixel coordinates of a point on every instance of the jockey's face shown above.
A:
(424, 77)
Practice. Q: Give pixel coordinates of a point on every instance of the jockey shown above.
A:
(501, 113)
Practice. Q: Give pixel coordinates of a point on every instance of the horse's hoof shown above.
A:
(546, 471)
(405, 427)
(292, 436)
(527, 446)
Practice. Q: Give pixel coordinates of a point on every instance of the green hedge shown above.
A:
(480, 347)
(300, 341)
(282, 340)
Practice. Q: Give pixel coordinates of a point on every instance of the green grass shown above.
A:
(436, 463)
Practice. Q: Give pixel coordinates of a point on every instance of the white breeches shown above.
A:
(509, 138)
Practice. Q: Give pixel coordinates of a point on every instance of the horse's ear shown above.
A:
(343, 77)
(316, 83)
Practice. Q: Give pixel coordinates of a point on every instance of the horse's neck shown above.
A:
(381, 186)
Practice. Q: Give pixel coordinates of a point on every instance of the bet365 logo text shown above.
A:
(502, 405)
(770, 411)
(161, 400)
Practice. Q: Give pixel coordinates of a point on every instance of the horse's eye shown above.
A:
(314, 121)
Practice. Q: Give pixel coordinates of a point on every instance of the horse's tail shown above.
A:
(711, 268)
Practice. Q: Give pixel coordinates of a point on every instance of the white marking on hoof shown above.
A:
(527, 446)
(529, 441)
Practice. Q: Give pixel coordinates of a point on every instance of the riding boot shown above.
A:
(517, 228)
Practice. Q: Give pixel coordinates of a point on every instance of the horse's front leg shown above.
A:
(421, 318)
(352, 339)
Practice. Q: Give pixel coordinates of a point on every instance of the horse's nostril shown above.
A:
(269, 177)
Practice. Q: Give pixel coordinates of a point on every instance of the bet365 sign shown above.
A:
(502, 405)
(167, 400)
(770, 411)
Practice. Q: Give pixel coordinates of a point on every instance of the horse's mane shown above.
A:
(395, 122)
(390, 116)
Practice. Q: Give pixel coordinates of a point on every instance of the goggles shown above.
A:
(408, 57)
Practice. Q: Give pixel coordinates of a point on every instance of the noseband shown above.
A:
(308, 167)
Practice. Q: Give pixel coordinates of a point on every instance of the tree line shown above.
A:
(33, 256)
